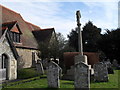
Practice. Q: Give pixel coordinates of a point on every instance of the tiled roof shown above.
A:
(8, 25)
(43, 35)
(27, 37)
(32, 27)
(31, 34)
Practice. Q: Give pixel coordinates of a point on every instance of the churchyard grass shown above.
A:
(42, 83)
(112, 83)
(26, 73)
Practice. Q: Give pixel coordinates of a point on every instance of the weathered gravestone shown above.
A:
(100, 72)
(115, 63)
(82, 76)
(109, 66)
(39, 67)
(53, 75)
(80, 58)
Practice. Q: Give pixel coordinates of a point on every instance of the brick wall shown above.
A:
(69, 58)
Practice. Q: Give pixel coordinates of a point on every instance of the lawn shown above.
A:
(42, 83)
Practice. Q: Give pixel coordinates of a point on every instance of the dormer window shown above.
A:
(15, 36)
(13, 30)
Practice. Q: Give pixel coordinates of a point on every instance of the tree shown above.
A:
(55, 48)
(57, 45)
(73, 39)
(91, 35)
(44, 50)
(109, 44)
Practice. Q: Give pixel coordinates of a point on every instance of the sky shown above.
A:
(61, 14)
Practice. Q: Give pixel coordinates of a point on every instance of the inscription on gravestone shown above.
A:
(100, 72)
(82, 76)
(53, 75)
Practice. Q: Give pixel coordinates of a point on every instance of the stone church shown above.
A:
(19, 42)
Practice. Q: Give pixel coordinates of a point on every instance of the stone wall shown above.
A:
(28, 56)
(11, 69)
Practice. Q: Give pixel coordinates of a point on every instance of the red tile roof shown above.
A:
(27, 37)
(32, 26)
(31, 34)
(8, 25)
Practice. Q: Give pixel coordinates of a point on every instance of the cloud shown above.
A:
(106, 16)
(59, 0)
(56, 14)
(44, 14)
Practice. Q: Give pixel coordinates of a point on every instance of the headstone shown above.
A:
(82, 76)
(115, 63)
(39, 67)
(100, 72)
(60, 72)
(109, 67)
(80, 58)
(53, 75)
(69, 75)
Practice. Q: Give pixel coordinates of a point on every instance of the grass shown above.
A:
(42, 83)
(113, 81)
(26, 73)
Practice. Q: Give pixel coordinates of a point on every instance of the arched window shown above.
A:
(4, 61)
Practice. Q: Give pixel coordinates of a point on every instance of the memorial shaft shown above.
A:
(80, 47)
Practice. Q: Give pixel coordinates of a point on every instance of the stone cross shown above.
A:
(82, 76)
(53, 75)
(100, 72)
(80, 48)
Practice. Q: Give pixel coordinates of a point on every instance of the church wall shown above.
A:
(28, 56)
(12, 63)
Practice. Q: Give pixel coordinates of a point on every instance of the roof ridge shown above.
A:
(9, 9)
(47, 29)
(32, 24)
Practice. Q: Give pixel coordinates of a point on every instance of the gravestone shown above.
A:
(109, 67)
(53, 75)
(80, 58)
(39, 67)
(100, 72)
(82, 76)
(69, 74)
(115, 63)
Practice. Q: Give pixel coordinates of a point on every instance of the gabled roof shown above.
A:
(12, 47)
(27, 37)
(8, 25)
(31, 34)
(12, 26)
(43, 35)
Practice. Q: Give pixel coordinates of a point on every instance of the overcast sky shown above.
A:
(61, 14)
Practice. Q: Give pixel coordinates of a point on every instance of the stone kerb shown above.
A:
(100, 72)
(82, 76)
(53, 75)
